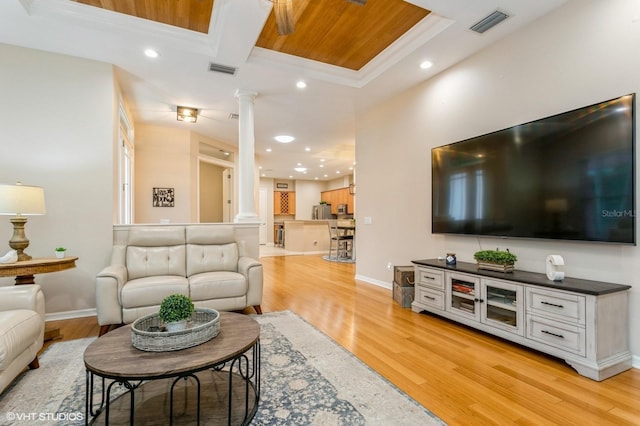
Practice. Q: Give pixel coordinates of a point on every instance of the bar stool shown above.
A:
(340, 245)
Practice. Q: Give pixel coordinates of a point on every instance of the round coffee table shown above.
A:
(216, 382)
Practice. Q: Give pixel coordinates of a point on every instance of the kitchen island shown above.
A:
(306, 236)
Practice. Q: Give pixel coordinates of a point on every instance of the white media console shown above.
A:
(581, 321)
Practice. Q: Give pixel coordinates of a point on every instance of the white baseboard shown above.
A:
(635, 361)
(55, 316)
(374, 281)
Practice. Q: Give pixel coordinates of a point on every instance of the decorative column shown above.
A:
(246, 160)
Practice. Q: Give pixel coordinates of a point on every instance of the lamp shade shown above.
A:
(21, 200)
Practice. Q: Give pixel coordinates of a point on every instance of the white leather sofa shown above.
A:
(21, 330)
(206, 263)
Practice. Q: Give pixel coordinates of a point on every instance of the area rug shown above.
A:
(306, 379)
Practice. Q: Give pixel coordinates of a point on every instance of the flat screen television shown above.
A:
(570, 176)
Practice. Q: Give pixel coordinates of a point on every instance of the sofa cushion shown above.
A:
(153, 261)
(18, 330)
(208, 258)
(205, 235)
(156, 236)
(217, 285)
(151, 290)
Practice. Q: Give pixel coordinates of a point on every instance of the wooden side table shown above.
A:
(25, 270)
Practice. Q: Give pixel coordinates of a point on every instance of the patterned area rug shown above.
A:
(307, 379)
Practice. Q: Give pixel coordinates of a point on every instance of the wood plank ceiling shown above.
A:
(342, 33)
(335, 32)
(192, 15)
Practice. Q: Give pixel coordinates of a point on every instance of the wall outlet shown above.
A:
(389, 265)
(368, 220)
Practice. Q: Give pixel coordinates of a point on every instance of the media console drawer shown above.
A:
(431, 278)
(563, 336)
(432, 298)
(562, 306)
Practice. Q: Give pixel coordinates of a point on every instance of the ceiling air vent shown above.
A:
(233, 116)
(489, 22)
(225, 69)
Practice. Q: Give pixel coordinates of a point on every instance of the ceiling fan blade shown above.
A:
(283, 10)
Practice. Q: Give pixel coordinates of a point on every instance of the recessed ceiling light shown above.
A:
(284, 138)
(290, 177)
(426, 65)
(322, 160)
(300, 169)
(301, 84)
(307, 149)
(268, 149)
(326, 175)
(337, 172)
(151, 53)
(321, 165)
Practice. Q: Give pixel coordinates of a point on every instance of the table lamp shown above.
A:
(20, 200)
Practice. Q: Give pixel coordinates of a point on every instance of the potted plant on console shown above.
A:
(175, 310)
(495, 260)
(60, 252)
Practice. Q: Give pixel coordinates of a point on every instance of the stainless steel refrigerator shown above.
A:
(322, 211)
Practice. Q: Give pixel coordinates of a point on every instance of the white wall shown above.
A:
(307, 196)
(164, 160)
(583, 53)
(58, 129)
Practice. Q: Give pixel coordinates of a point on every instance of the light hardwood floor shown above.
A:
(463, 376)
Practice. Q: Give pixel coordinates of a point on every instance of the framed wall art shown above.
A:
(163, 197)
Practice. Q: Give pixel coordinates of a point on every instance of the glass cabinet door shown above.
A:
(503, 305)
(464, 293)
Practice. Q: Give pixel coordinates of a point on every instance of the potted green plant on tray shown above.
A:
(175, 310)
(495, 260)
(60, 252)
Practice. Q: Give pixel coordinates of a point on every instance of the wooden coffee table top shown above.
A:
(113, 355)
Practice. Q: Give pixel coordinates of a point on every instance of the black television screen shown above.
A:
(570, 176)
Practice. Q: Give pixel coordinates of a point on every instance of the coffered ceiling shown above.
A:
(350, 56)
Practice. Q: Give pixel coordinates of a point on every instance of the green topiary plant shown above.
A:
(495, 256)
(61, 249)
(176, 307)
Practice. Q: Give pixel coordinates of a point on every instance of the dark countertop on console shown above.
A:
(577, 285)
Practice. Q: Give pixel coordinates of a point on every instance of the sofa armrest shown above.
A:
(109, 282)
(27, 296)
(252, 270)
(117, 272)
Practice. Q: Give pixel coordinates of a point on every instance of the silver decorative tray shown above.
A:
(148, 333)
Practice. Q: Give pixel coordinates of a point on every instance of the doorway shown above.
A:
(215, 192)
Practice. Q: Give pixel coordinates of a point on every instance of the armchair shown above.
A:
(21, 330)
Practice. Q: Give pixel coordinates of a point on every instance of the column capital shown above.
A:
(244, 93)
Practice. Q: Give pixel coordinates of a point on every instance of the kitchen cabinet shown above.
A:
(584, 322)
(284, 203)
(336, 197)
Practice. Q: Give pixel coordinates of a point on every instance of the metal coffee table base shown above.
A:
(228, 392)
